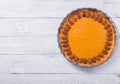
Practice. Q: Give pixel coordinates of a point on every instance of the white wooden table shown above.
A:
(29, 52)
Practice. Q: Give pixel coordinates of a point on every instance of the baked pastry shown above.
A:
(87, 37)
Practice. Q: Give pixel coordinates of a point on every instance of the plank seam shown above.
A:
(39, 17)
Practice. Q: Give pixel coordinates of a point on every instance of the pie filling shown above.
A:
(87, 37)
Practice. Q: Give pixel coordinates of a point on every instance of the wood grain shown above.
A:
(29, 45)
(53, 8)
(58, 79)
(35, 27)
(53, 64)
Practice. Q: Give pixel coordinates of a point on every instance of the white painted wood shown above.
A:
(52, 64)
(54, 8)
(36, 64)
(111, 2)
(21, 27)
(59, 79)
(29, 45)
(30, 27)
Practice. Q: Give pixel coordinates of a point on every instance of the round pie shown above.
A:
(87, 37)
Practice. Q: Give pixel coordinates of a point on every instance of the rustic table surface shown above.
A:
(29, 51)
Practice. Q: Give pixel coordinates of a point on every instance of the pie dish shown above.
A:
(87, 37)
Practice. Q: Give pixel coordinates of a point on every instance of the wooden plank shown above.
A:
(111, 2)
(29, 27)
(52, 64)
(59, 79)
(29, 45)
(36, 8)
(21, 27)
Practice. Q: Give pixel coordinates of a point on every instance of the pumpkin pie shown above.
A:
(87, 37)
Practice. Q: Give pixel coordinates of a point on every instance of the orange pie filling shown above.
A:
(87, 37)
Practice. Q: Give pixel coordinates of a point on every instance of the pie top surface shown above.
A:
(87, 37)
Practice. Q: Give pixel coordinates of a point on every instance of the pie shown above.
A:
(87, 37)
